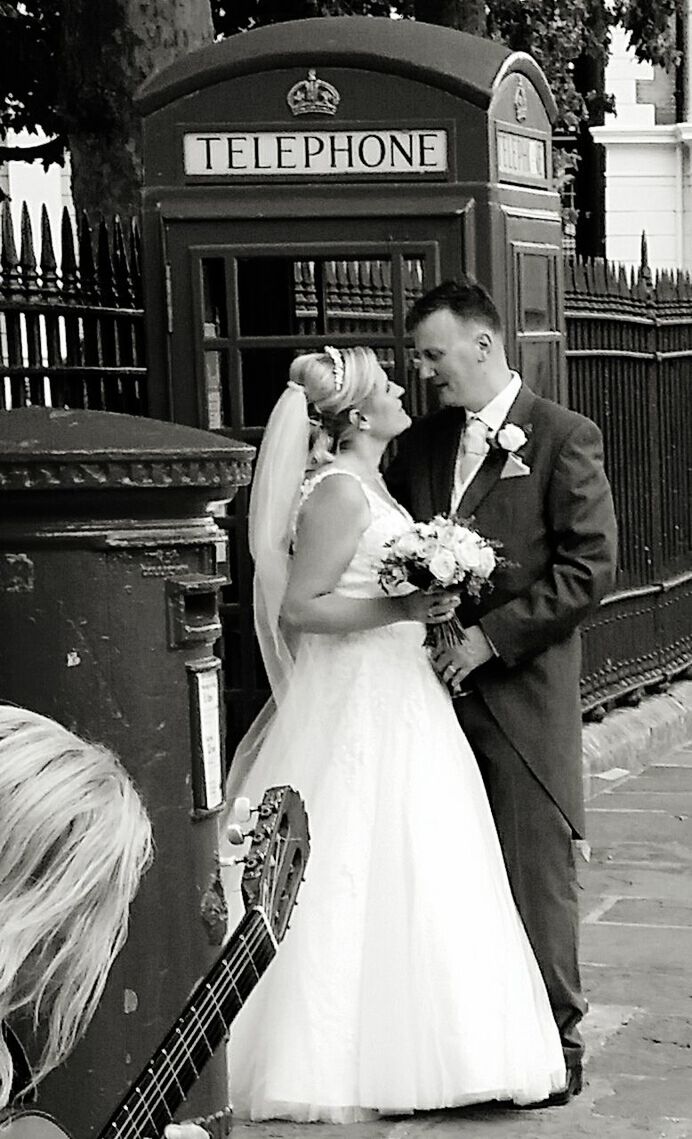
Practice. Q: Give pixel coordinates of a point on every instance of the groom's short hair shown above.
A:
(466, 299)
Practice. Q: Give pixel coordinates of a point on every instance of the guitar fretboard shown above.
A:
(163, 1085)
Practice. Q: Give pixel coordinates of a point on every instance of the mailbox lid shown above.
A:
(103, 463)
(32, 435)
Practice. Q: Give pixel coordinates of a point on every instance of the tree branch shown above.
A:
(47, 152)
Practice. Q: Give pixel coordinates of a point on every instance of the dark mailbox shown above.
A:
(304, 183)
(110, 566)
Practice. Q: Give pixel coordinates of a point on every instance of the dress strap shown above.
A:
(311, 482)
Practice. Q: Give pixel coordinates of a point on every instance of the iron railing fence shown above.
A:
(72, 335)
(629, 358)
(72, 327)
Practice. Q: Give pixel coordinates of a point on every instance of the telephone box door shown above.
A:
(255, 306)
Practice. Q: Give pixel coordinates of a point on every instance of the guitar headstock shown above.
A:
(275, 863)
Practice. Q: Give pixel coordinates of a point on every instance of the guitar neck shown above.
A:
(165, 1082)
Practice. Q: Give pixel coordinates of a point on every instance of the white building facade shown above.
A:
(648, 169)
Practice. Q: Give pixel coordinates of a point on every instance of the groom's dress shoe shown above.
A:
(574, 1085)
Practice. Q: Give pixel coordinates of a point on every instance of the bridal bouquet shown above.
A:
(442, 554)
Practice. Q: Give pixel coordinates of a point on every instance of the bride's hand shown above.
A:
(430, 608)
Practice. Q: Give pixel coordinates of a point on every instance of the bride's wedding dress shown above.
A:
(406, 980)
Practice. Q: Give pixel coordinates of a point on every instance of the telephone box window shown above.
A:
(413, 272)
(266, 296)
(388, 362)
(307, 282)
(214, 297)
(264, 373)
(359, 296)
(216, 389)
(278, 296)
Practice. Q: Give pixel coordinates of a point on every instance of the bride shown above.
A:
(406, 981)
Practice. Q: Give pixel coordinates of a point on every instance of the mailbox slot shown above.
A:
(193, 610)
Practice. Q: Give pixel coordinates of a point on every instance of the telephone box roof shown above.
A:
(468, 66)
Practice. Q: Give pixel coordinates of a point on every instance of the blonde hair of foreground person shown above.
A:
(74, 841)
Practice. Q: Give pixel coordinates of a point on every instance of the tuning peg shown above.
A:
(231, 861)
(241, 809)
(235, 834)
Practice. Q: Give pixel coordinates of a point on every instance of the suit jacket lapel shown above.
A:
(444, 458)
(491, 468)
(482, 483)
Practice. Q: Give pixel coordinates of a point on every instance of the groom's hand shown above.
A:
(453, 664)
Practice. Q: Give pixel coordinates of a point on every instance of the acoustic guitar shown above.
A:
(274, 869)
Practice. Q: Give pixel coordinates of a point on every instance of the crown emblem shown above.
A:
(313, 96)
(520, 101)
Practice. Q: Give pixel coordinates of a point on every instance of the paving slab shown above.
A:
(637, 947)
(664, 855)
(646, 911)
(660, 777)
(672, 885)
(655, 991)
(643, 1097)
(648, 1045)
(614, 825)
(679, 802)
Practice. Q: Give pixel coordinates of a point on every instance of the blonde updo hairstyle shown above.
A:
(330, 410)
(74, 841)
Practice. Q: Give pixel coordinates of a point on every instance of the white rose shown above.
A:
(511, 437)
(447, 531)
(468, 551)
(429, 548)
(395, 577)
(487, 562)
(443, 566)
(409, 545)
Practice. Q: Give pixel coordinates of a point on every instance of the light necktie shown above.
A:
(474, 447)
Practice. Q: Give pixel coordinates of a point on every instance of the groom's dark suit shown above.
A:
(523, 719)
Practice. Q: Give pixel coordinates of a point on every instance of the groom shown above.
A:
(530, 473)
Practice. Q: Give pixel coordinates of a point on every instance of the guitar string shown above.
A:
(133, 1120)
(136, 1121)
(149, 1077)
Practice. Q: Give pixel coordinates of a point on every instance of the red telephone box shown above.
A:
(304, 183)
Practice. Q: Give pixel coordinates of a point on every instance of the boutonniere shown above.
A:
(510, 439)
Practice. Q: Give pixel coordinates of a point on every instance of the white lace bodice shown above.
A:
(387, 519)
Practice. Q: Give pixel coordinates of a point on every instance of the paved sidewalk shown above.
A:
(636, 952)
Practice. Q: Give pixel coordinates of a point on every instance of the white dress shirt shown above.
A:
(493, 415)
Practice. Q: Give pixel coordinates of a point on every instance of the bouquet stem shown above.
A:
(448, 634)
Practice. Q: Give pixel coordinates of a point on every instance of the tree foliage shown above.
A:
(650, 26)
(71, 68)
(558, 33)
(42, 89)
(29, 40)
